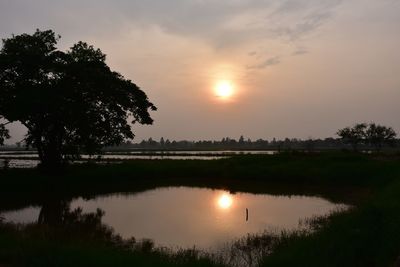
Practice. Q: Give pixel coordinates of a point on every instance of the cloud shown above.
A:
(221, 24)
(307, 25)
(224, 26)
(269, 62)
(300, 51)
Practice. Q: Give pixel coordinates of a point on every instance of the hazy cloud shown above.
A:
(252, 53)
(219, 23)
(300, 51)
(269, 62)
(177, 49)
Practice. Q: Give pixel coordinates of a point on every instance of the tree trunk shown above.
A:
(50, 154)
(52, 157)
(50, 150)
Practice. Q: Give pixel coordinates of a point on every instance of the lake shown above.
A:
(183, 217)
(23, 159)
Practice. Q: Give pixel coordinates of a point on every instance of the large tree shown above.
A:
(353, 135)
(371, 134)
(379, 135)
(70, 102)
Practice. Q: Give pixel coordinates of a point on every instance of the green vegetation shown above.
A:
(367, 235)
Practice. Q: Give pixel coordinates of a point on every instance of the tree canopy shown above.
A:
(371, 134)
(70, 102)
(353, 135)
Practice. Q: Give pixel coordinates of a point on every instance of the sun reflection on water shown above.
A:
(225, 201)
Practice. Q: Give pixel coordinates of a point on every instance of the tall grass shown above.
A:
(82, 240)
(368, 235)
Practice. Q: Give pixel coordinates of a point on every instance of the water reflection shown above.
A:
(29, 159)
(225, 201)
(181, 216)
(54, 212)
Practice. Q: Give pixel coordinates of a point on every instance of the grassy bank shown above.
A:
(366, 236)
(336, 176)
(86, 244)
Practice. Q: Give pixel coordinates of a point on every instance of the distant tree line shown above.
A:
(241, 143)
(367, 137)
(361, 136)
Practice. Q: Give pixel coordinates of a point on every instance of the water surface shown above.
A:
(187, 217)
(29, 159)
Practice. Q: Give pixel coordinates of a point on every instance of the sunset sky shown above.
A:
(258, 68)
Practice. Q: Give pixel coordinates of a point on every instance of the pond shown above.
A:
(183, 217)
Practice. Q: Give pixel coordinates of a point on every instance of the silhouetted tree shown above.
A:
(3, 134)
(369, 134)
(353, 135)
(167, 143)
(309, 144)
(378, 135)
(162, 142)
(241, 140)
(70, 102)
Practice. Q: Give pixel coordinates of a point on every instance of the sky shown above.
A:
(297, 68)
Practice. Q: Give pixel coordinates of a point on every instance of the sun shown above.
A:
(224, 89)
